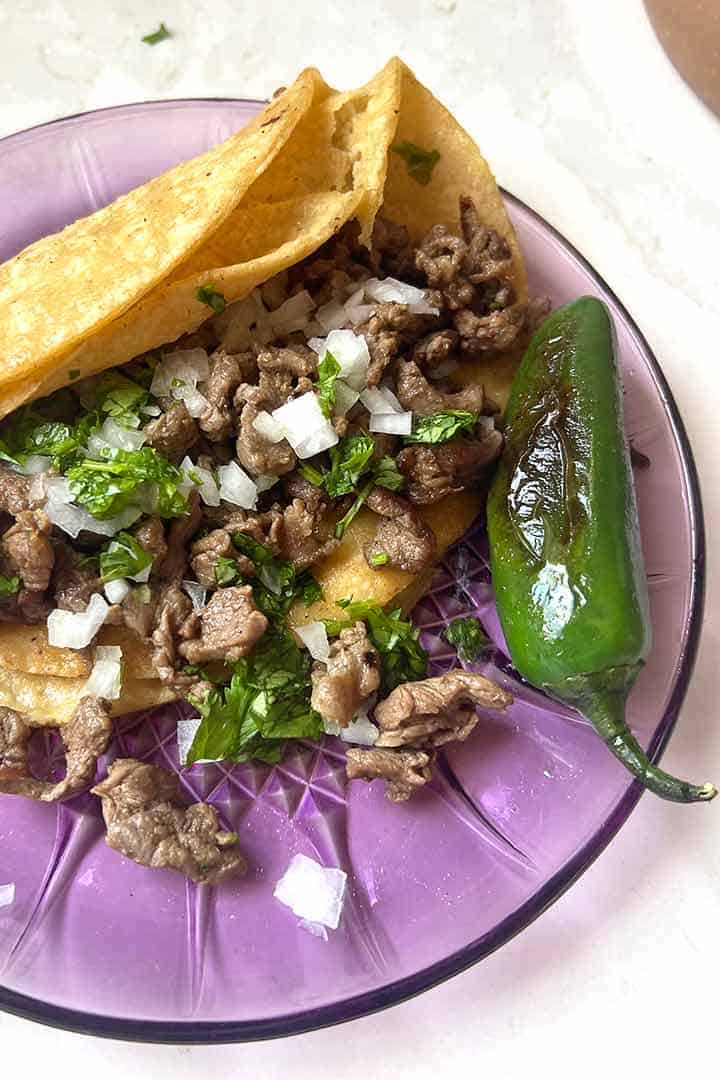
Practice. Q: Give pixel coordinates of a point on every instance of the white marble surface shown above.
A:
(583, 117)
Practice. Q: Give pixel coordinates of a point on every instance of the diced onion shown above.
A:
(389, 289)
(115, 436)
(33, 465)
(314, 637)
(267, 427)
(313, 892)
(179, 373)
(105, 680)
(117, 590)
(196, 592)
(195, 403)
(151, 410)
(345, 398)
(202, 479)
(236, 487)
(331, 316)
(391, 423)
(360, 730)
(380, 400)
(7, 894)
(306, 428)
(486, 425)
(360, 314)
(76, 629)
(243, 322)
(351, 352)
(186, 732)
(293, 314)
(264, 483)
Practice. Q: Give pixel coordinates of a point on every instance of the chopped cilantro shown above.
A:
(227, 571)
(278, 585)
(108, 486)
(468, 638)
(158, 35)
(120, 397)
(266, 702)
(388, 475)
(123, 557)
(312, 475)
(9, 585)
(381, 559)
(350, 460)
(328, 371)
(208, 294)
(30, 431)
(346, 520)
(420, 163)
(402, 657)
(442, 426)
(74, 374)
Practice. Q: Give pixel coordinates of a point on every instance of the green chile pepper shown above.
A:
(565, 548)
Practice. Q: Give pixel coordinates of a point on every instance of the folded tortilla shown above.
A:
(125, 280)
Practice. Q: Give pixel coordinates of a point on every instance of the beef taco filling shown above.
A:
(192, 497)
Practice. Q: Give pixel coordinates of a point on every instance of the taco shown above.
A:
(246, 406)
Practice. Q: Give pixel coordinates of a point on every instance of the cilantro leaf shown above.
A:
(157, 36)
(123, 557)
(468, 637)
(278, 585)
(311, 474)
(30, 430)
(9, 585)
(381, 559)
(442, 426)
(266, 702)
(388, 475)
(328, 371)
(350, 460)
(420, 163)
(208, 294)
(346, 520)
(107, 486)
(402, 657)
(227, 571)
(120, 397)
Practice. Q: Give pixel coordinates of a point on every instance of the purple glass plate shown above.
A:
(96, 944)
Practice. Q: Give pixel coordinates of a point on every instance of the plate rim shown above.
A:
(193, 1032)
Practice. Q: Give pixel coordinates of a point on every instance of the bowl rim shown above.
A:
(223, 1031)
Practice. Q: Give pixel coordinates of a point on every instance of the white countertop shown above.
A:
(582, 116)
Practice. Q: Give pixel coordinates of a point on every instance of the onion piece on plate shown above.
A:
(313, 892)
(7, 894)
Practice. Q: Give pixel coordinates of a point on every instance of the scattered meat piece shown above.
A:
(227, 372)
(440, 259)
(339, 260)
(148, 823)
(488, 254)
(300, 536)
(227, 628)
(14, 491)
(256, 453)
(497, 330)
(351, 675)
(137, 614)
(85, 736)
(415, 393)
(390, 329)
(206, 552)
(172, 611)
(173, 433)
(436, 349)
(295, 360)
(402, 535)
(27, 546)
(14, 737)
(174, 564)
(263, 527)
(436, 471)
(431, 712)
(296, 486)
(404, 770)
(393, 252)
(75, 579)
(150, 534)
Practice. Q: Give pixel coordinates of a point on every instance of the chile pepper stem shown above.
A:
(606, 712)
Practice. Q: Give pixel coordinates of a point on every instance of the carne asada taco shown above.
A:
(258, 393)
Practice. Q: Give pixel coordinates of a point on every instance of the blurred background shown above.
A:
(582, 115)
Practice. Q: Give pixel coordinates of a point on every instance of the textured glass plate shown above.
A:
(96, 943)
